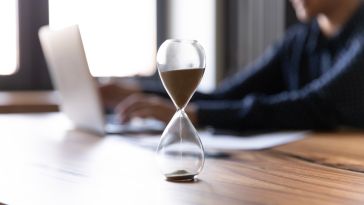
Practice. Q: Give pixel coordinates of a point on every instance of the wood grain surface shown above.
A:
(43, 161)
(344, 150)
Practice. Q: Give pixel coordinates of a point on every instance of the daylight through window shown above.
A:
(8, 37)
(119, 36)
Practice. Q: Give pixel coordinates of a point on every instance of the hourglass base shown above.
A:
(180, 175)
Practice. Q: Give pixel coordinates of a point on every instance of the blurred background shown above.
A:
(121, 37)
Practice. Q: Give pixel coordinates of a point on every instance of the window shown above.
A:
(119, 36)
(8, 37)
(31, 70)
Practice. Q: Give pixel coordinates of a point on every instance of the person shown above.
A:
(311, 79)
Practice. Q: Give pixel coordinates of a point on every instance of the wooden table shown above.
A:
(28, 101)
(43, 161)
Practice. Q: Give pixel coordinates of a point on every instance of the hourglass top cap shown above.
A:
(180, 54)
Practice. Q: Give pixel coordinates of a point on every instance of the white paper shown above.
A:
(254, 142)
(231, 142)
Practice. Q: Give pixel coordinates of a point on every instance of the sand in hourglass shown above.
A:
(180, 175)
(180, 84)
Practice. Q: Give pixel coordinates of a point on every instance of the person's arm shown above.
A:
(113, 92)
(153, 85)
(336, 98)
(263, 76)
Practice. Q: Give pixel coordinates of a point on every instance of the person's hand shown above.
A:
(113, 93)
(150, 106)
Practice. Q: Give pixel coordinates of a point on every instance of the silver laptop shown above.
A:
(80, 98)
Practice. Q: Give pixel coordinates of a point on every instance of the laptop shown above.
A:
(78, 89)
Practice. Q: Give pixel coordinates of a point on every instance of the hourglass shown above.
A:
(181, 65)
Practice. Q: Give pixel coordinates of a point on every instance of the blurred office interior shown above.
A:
(121, 37)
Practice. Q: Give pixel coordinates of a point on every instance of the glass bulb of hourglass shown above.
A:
(180, 153)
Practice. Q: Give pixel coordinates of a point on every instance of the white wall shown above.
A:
(195, 19)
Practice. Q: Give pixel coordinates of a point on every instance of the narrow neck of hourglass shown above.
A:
(181, 112)
(178, 106)
(181, 109)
